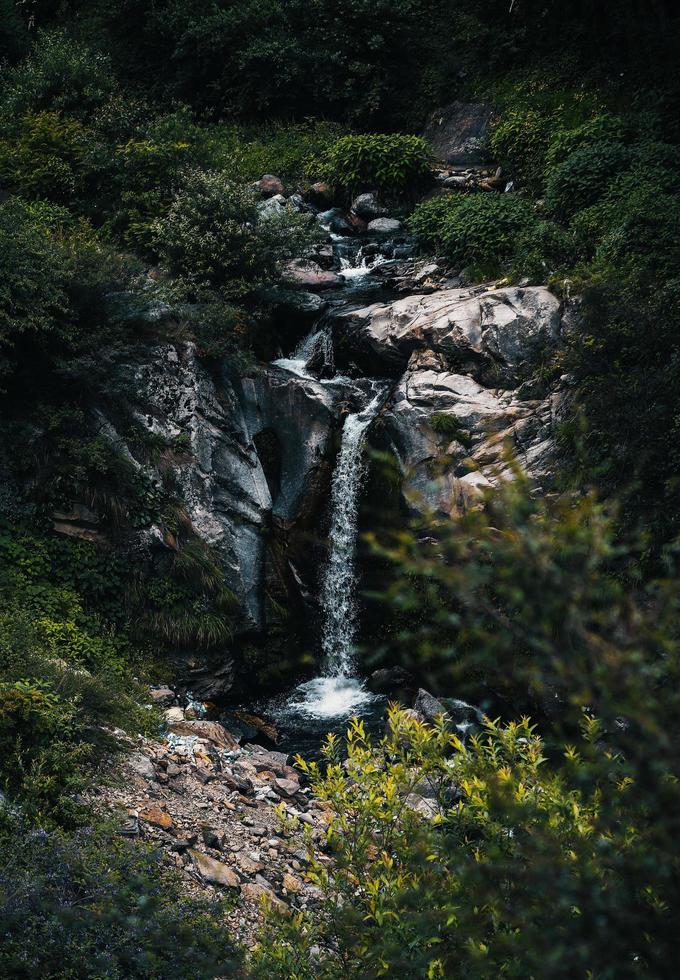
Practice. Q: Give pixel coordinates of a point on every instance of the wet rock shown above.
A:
(209, 678)
(269, 185)
(216, 872)
(458, 714)
(368, 207)
(308, 275)
(384, 226)
(457, 132)
(298, 302)
(394, 682)
(320, 194)
(340, 225)
(326, 217)
(358, 224)
(260, 725)
(428, 706)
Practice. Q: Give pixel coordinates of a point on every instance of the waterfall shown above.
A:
(337, 693)
(338, 585)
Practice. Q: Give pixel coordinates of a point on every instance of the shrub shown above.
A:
(603, 128)
(46, 156)
(430, 216)
(519, 141)
(35, 272)
(387, 162)
(514, 866)
(449, 426)
(585, 177)
(485, 229)
(289, 150)
(96, 905)
(213, 237)
(59, 75)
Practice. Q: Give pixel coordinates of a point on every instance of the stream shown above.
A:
(325, 703)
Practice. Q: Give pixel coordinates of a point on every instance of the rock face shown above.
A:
(457, 132)
(452, 435)
(480, 327)
(254, 458)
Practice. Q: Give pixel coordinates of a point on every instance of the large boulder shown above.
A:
(452, 435)
(479, 327)
(368, 207)
(457, 133)
(384, 226)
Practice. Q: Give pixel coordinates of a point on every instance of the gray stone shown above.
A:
(457, 132)
(447, 471)
(142, 765)
(307, 275)
(384, 226)
(368, 206)
(495, 327)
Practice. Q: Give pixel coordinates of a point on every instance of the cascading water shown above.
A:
(338, 588)
(337, 693)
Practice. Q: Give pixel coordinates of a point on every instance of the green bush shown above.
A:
(603, 128)
(585, 177)
(520, 141)
(59, 75)
(35, 273)
(429, 218)
(485, 229)
(389, 162)
(288, 150)
(516, 866)
(213, 237)
(46, 156)
(96, 905)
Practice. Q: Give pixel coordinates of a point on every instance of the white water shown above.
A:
(349, 271)
(337, 693)
(338, 586)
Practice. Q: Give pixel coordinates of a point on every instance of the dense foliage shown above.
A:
(510, 853)
(131, 132)
(96, 905)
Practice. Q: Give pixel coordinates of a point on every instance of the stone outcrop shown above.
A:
(254, 457)
(452, 436)
(479, 327)
(457, 133)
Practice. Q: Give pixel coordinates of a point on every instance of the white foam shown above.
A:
(326, 698)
